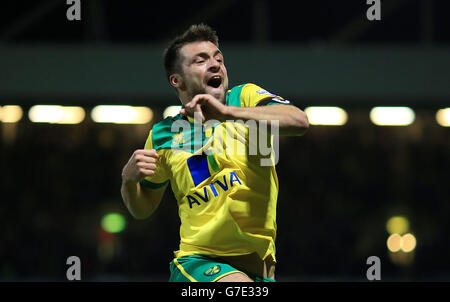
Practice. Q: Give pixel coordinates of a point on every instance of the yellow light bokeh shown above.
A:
(397, 224)
(72, 115)
(394, 242)
(327, 116)
(443, 117)
(119, 114)
(56, 114)
(408, 243)
(392, 116)
(11, 114)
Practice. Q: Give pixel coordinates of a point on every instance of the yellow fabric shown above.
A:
(253, 94)
(241, 219)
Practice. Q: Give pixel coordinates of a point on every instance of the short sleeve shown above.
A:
(253, 95)
(160, 178)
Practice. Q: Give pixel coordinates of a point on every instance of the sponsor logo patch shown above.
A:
(265, 92)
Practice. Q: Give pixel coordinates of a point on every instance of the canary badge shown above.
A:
(213, 270)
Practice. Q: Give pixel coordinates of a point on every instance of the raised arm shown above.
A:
(292, 120)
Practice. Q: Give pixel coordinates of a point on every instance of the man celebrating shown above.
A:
(227, 200)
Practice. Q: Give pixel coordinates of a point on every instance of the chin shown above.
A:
(218, 93)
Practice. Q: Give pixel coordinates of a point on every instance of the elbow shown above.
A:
(137, 213)
(140, 214)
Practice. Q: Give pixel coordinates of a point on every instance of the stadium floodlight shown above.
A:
(10, 114)
(56, 114)
(121, 114)
(443, 117)
(327, 116)
(392, 116)
(171, 111)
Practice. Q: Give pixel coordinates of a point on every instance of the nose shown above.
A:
(214, 66)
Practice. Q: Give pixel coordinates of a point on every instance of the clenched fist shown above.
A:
(141, 164)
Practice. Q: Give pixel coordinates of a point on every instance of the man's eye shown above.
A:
(199, 61)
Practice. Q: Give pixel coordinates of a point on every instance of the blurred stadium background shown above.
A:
(348, 191)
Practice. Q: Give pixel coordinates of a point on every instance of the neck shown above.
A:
(185, 98)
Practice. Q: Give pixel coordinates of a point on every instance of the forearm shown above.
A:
(141, 202)
(291, 120)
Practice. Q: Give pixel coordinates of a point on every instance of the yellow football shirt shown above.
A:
(226, 199)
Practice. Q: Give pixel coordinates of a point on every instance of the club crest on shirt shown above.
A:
(178, 139)
(213, 270)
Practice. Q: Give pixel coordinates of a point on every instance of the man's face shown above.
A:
(203, 70)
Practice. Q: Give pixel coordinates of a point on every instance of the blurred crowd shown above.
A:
(338, 187)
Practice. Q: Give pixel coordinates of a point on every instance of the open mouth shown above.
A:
(215, 81)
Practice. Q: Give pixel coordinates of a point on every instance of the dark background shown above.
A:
(338, 185)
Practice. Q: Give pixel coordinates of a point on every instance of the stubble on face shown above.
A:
(200, 62)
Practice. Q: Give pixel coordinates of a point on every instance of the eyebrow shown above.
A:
(203, 54)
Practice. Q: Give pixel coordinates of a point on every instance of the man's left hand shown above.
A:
(207, 107)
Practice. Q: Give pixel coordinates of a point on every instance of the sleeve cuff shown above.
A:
(153, 185)
(273, 101)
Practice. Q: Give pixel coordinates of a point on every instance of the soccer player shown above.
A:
(227, 200)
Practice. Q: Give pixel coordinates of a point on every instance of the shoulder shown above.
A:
(248, 95)
(238, 93)
(243, 87)
(248, 88)
(161, 133)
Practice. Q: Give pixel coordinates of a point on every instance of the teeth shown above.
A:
(215, 81)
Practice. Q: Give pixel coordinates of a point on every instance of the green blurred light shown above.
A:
(113, 223)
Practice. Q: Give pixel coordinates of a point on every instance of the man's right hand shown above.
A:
(140, 201)
(141, 164)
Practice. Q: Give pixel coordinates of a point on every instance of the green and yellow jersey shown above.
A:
(226, 200)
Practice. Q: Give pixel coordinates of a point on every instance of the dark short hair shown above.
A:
(195, 33)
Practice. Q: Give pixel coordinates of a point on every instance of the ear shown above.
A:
(176, 80)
